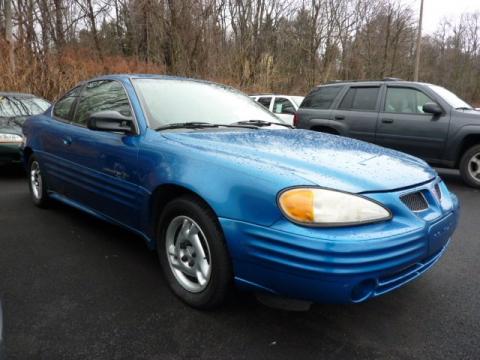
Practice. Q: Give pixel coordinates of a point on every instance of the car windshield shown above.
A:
(174, 101)
(450, 97)
(12, 106)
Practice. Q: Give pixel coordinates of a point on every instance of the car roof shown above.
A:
(276, 95)
(371, 82)
(144, 76)
(123, 77)
(16, 94)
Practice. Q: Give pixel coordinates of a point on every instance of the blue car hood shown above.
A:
(317, 158)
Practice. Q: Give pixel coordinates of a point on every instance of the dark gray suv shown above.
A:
(421, 119)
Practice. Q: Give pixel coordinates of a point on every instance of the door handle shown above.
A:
(67, 141)
(387, 121)
(339, 117)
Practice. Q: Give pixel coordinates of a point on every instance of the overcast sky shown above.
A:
(435, 10)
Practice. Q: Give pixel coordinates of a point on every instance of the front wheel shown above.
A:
(470, 166)
(193, 254)
(37, 183)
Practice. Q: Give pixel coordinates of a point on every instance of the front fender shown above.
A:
(455, 142)
(237, 189)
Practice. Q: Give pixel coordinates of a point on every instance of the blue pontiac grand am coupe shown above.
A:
(226, 193)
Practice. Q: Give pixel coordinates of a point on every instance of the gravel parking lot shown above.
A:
(74, 287)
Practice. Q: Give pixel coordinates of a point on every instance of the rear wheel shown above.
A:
(192, 252)
(37, 183)
(470, 166)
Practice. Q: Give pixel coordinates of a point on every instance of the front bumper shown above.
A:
(342, 265)
(10, 153)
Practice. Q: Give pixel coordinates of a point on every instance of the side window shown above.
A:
(360, 98)
(283, 106)
(265, 101)
(321, 98)
(405, 100)
(62, 109)
(99, 96)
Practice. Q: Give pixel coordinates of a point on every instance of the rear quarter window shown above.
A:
(63, 108)
(321, 98)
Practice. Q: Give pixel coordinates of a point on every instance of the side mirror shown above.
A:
(110, 121)
(432, 108)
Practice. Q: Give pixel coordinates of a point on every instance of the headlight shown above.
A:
(10, 139)
(322, 207)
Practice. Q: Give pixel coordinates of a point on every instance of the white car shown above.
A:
(284, 106)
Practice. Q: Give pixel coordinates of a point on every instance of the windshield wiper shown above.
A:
(263, 123)
(200, 125)
(186, 125)
(464, 108)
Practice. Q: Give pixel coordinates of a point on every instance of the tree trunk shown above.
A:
(9, 34)
(93, 24)
(59, 25)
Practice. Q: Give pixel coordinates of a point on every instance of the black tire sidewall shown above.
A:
(219, 284)
(464, 166)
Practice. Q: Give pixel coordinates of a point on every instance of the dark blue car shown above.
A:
(227, 193)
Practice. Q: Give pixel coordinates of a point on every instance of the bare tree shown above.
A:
(258, 45)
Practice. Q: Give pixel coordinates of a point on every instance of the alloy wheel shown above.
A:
(36, 180)
(474, 166)
(188, 254)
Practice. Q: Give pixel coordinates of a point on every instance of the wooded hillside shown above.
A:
(46, 46)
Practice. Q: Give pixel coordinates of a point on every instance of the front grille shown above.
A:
(438, 192)
(415, 201)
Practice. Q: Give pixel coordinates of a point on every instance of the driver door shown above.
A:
(402, 124)
(107, 176)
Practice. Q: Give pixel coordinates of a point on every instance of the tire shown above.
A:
(470, 166)
(37, 183)
(204, 255)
